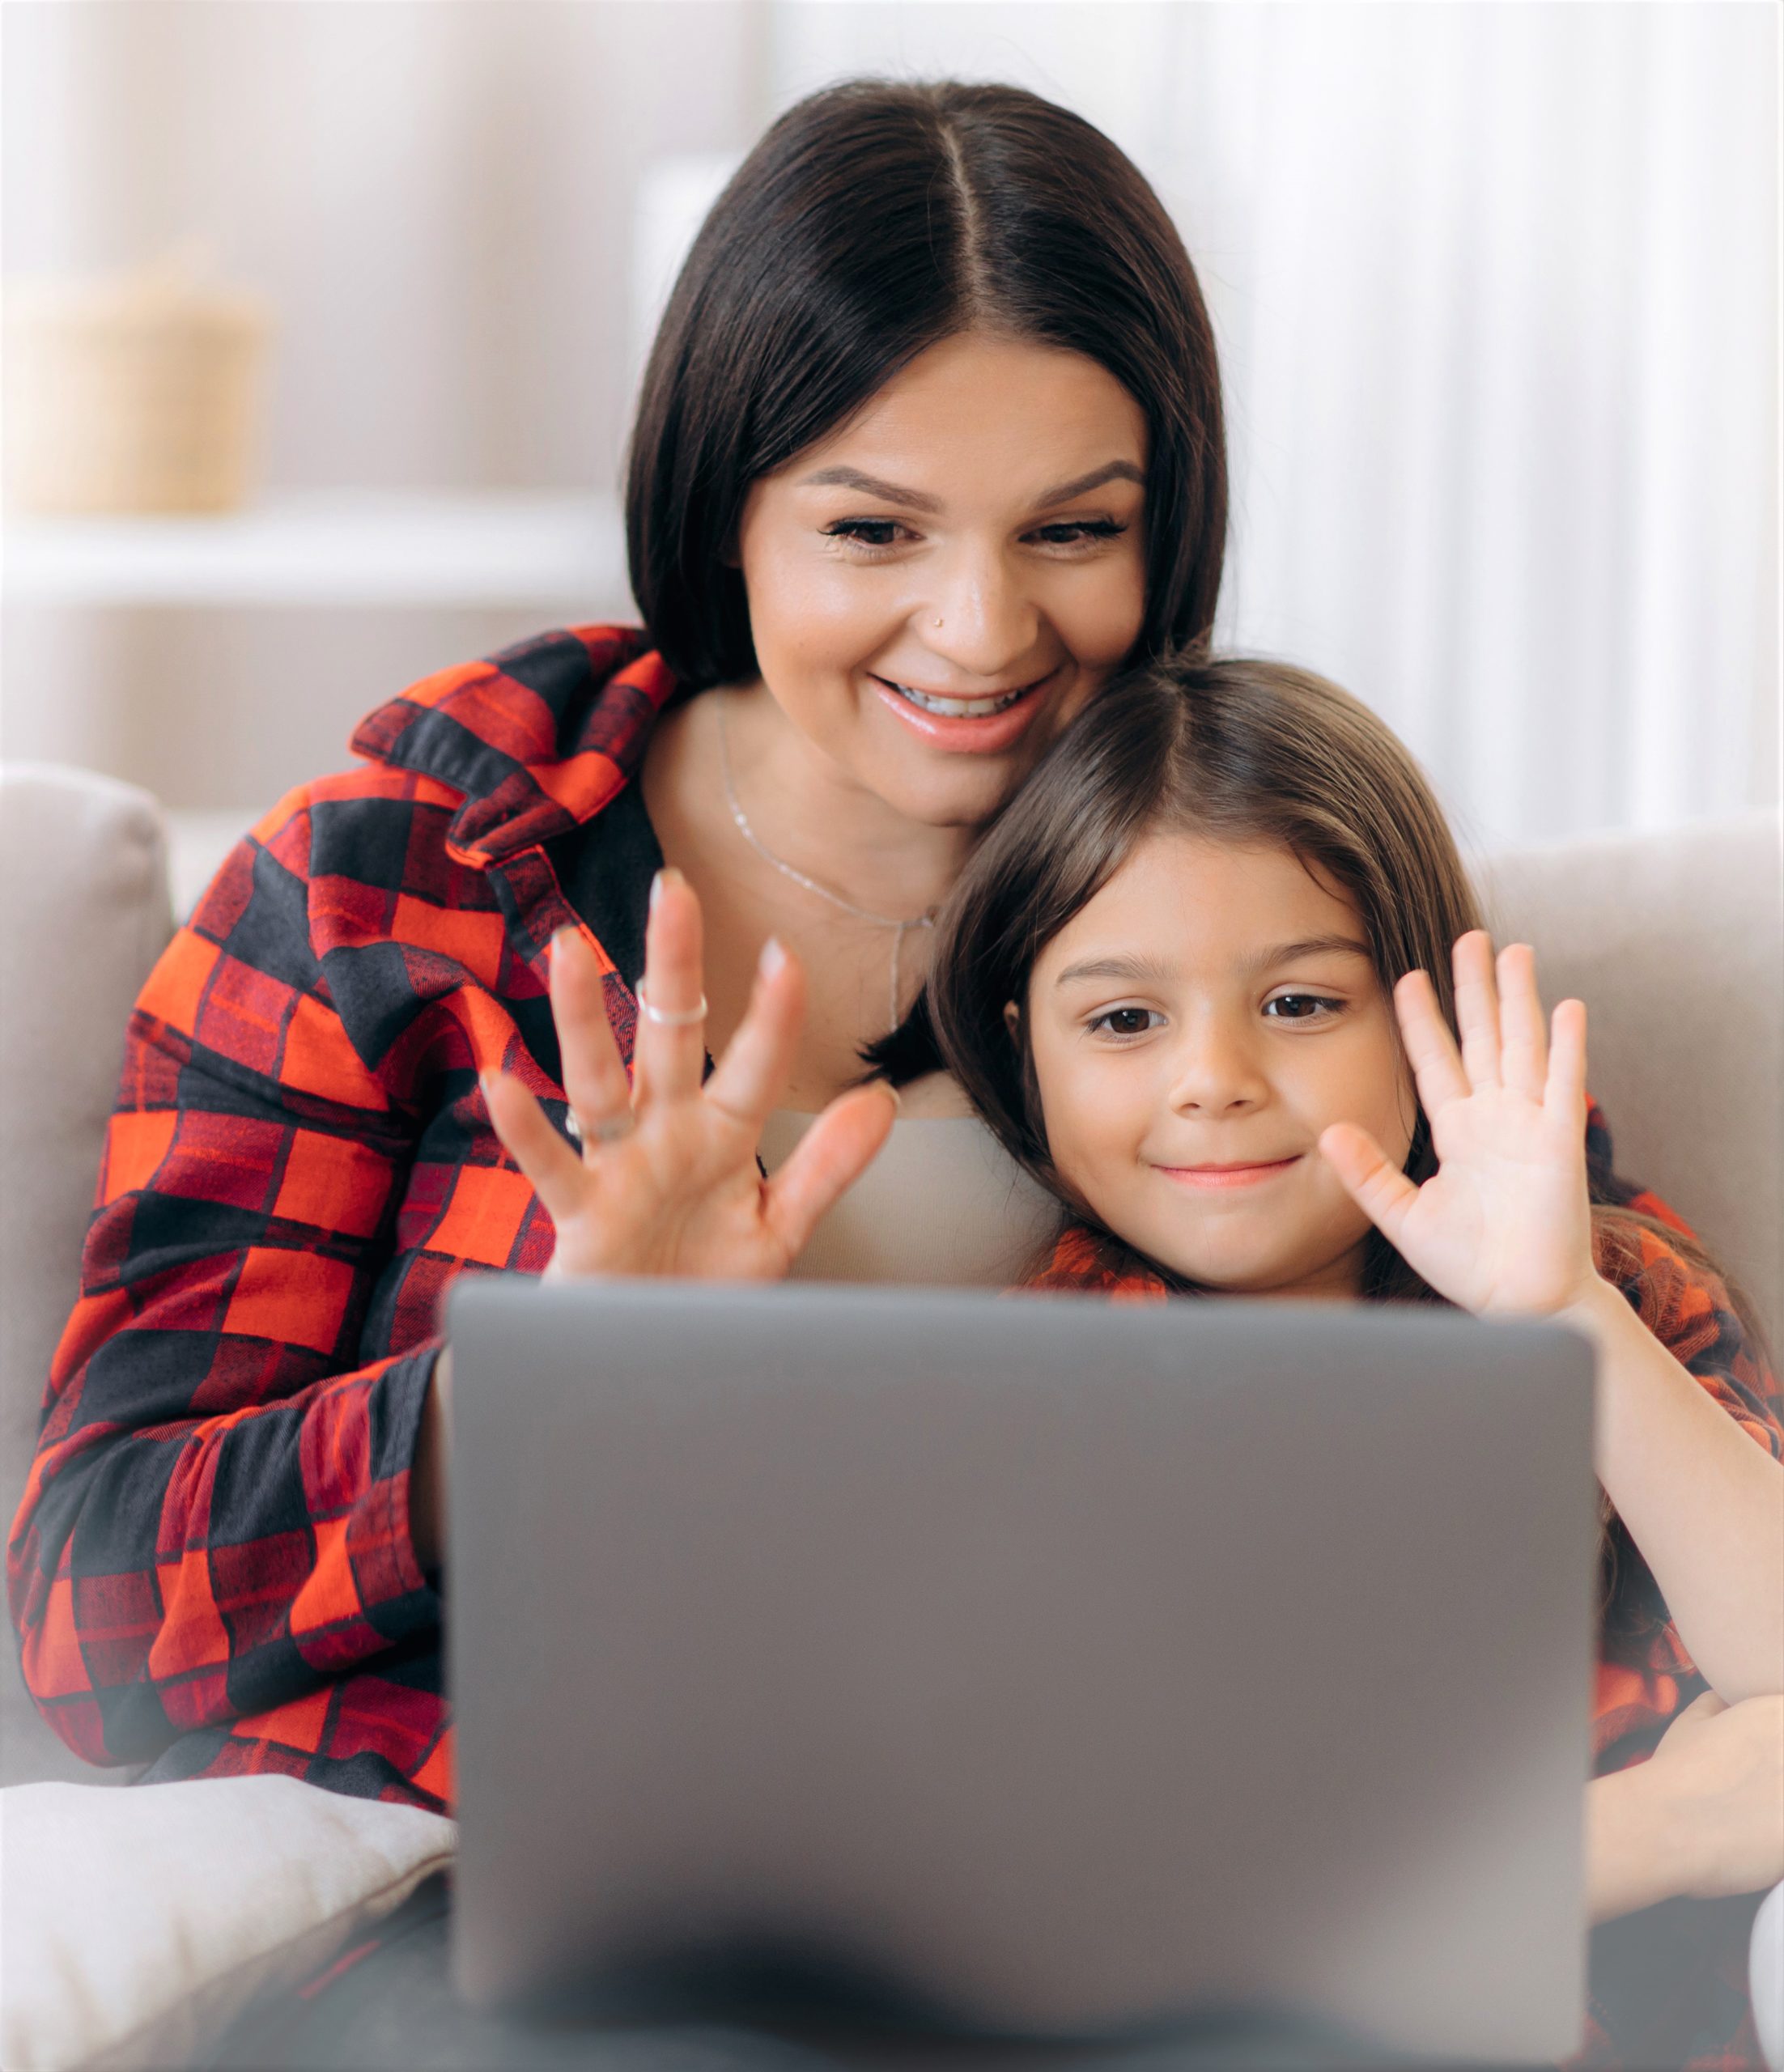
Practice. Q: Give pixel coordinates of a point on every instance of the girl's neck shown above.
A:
(816, 817)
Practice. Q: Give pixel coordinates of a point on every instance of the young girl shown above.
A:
(1204, 979)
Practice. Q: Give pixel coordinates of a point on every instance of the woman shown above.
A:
(930, 442)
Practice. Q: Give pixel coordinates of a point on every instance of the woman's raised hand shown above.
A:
(666, 1180)
(1504, 1226)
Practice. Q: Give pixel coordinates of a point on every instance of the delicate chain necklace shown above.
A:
(926, 919)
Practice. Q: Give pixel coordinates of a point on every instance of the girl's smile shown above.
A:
(1193, 1028)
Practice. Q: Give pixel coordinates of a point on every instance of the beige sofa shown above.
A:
(1676, 942)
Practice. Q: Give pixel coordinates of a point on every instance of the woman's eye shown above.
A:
(1301, 1006)
(866, 532)
(1079, 531)
(1127, 1021)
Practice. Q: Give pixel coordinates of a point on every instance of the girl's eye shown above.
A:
(1301, 1006)
(1079, 531)
(1127, 1021)
(866, 532)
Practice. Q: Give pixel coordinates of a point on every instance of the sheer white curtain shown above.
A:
(1496, 290)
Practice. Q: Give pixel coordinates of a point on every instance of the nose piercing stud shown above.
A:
(938, 622)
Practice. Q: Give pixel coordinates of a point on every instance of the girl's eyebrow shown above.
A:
(916, 499)
(1151, 970)
(1289, 952)
(1142, 970)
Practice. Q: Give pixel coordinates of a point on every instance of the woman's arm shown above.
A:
(1505, 1229)
(217, 1519)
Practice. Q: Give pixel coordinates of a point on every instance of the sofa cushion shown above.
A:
(137, 1924)
(1676, 943)
(85, 915)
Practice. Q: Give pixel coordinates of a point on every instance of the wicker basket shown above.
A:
(135, 395)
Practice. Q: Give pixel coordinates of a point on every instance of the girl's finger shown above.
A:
(1564, 1093)
(1377, 1186)
(1477, 1008)
(749, 1078)
(829, 1159)
(1523, 1055)
(525, 1131)
(1430, 1049)
(594, 1078)
(670, 1051)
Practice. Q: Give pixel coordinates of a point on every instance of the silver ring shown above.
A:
(688, 1018)
(609, 1131)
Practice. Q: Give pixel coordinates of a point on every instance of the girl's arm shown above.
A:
(1505, 1228)
(1704, 1817)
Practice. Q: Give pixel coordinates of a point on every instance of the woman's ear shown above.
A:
(1013, 1020)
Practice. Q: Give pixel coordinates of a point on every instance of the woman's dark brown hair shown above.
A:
(873, 220)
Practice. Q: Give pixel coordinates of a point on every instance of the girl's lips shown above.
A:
(1228, 1176)
(991, 735)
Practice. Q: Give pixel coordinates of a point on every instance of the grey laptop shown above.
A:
(1070, 1667)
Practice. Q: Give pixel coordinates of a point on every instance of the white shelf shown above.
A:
(339, 547)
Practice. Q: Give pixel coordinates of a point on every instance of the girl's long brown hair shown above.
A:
(1240, 750)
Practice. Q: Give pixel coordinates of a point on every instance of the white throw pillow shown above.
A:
(135, 1925)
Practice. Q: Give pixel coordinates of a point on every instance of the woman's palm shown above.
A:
(667, 1181)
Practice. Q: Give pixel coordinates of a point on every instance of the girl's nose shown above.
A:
(981, 619)
(1215, 1072)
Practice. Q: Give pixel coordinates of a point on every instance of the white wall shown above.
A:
(1496, 286)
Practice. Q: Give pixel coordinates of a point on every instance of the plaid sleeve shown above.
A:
(217, 1519)
(1689, 1308)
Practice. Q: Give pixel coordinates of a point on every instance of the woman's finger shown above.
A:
(525, 1130)
(1430, 1049)
(1377, 1186)
(1523, 1054)
(594, 1077)
(669, 1054)
(828, 1159)
(1564, 1092)
(749, 1078)
(1477, 1008)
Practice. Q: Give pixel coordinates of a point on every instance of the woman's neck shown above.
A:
(812, 814)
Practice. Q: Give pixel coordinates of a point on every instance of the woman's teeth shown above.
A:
(960, 708)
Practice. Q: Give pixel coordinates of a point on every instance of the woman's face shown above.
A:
(1195, 1027)
(939, 586)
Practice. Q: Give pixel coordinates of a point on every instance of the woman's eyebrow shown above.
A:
(840, 476)
(1110, 471)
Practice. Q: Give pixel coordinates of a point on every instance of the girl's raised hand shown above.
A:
(1504, 1226)
(666, 1180)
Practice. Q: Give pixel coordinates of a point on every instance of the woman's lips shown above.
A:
(1249, 1175)
(990, 734)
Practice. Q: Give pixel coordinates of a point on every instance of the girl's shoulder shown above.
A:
(1681, 1297)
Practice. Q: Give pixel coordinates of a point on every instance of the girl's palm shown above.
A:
(1504, 1227)
(666, 1180)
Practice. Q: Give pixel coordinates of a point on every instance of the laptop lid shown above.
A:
(1072, 1665)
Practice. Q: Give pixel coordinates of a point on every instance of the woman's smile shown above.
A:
(977, 723)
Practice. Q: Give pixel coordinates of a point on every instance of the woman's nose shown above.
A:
(1216, 1071)
(981, 619)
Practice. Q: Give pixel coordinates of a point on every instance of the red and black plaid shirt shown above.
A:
(1668, 1987)
(211, 1567)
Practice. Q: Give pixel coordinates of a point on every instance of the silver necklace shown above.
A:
(900, 929)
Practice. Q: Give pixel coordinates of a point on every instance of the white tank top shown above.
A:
(944, 1204)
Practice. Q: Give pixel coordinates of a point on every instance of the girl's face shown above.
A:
(1194, 1028)
(939, 586)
